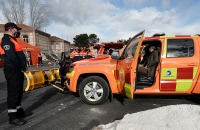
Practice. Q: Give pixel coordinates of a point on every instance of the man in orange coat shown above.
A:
(15, 64)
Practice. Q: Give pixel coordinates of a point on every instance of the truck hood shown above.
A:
(104, 60)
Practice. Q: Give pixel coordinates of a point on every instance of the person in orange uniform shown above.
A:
(82, 52)
(89, 52)
(15, 64)
(75, 52)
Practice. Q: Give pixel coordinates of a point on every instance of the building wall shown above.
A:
(43, 42)
(63, 47)
(1, 35)
(66, 47)
(30, 37)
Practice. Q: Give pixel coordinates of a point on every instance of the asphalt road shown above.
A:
(51, 109)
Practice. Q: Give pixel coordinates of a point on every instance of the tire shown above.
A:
(96, 95)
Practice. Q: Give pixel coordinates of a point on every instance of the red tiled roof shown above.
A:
(54, 38)
(20, 25)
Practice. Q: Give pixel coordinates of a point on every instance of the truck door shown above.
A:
(179, 64)
(127, 65)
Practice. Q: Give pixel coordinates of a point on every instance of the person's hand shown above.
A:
(146, 67)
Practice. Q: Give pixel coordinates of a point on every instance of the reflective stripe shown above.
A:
(179, 73)
(18, 107)
(113, 71)
(178, 79)
(127, 88)
(183, 85)
(119, 85)
(165, 49)
(195, 71)
(71, 73)
(12, 110)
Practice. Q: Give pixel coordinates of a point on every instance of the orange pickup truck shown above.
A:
(177, 70)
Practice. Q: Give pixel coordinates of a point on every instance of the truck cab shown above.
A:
(176, 69)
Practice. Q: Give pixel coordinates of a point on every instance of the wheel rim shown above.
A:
(93, 91)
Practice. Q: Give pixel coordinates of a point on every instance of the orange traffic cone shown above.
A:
(49, 63)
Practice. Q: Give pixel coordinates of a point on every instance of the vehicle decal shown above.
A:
(99, 58)
(183, 85)
(118, 85)
(185, 73)
(169, 73)
(176, 85)
(127, 88)
(121, 76)
(113, 71)
(94, 64)
(128, 78)
(165, 48)
(194, 72)
(178, 73)
(71, 74)
(177, 79)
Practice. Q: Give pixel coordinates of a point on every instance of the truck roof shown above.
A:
(111, 44)
(171, 36)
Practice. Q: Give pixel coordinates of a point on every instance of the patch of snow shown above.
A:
(173, 117)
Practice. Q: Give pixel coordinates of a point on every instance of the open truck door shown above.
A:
(127, 66)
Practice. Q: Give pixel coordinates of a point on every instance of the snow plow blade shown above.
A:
(35, 79)
(41, 78)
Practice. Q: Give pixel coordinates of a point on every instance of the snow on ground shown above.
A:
(173, 117)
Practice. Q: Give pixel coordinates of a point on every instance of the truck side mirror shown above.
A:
(115, 55)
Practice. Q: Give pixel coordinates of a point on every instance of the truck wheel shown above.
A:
(94, 90)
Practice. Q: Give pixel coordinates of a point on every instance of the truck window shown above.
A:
(180, 48)
(131, 47)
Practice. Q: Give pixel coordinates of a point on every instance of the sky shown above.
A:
(112, 20)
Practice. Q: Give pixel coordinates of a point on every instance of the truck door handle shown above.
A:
(191, 64)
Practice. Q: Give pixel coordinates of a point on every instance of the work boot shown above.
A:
(17, 122)
(13, 119)
(21, 113)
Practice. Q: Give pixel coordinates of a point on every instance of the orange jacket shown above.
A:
(74, 53)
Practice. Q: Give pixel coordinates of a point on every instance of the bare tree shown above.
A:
(14, 11)
(39, 14)
(19, 10)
